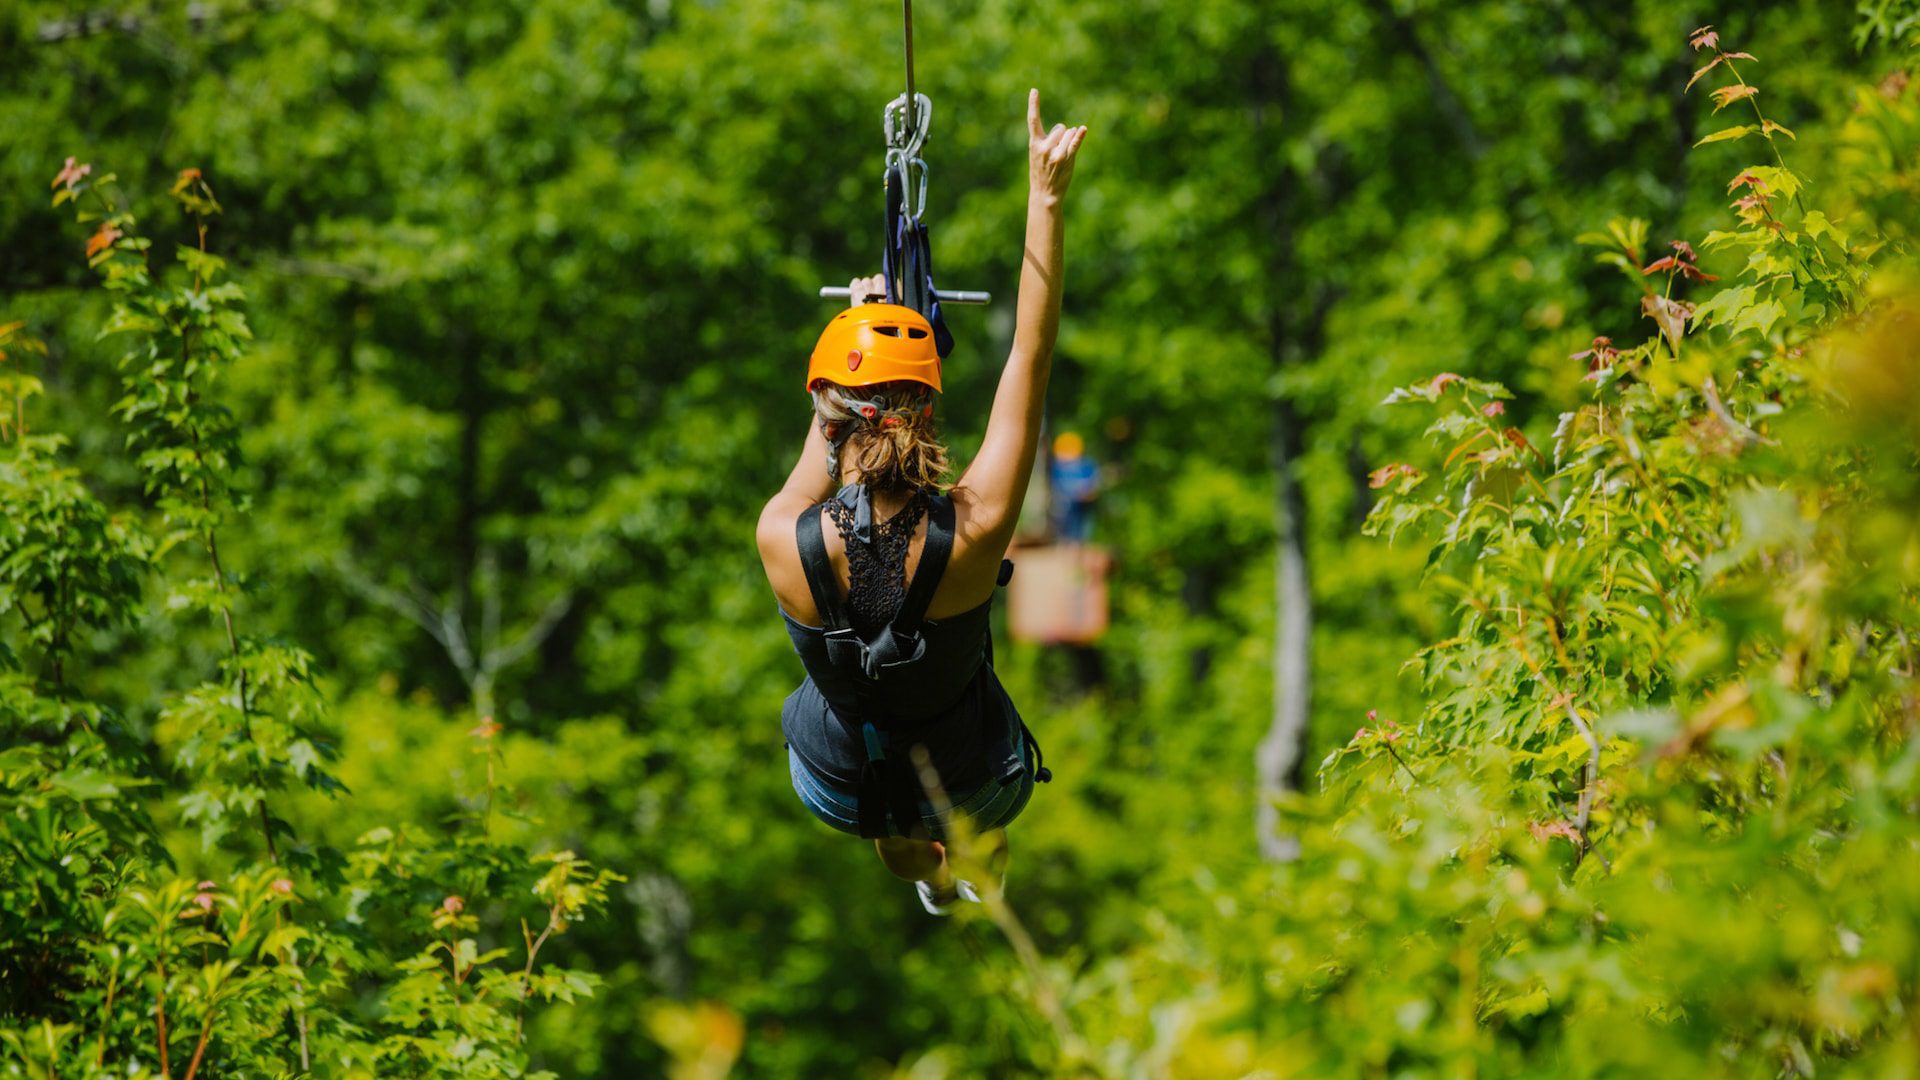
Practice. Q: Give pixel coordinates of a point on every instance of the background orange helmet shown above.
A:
(876, 343)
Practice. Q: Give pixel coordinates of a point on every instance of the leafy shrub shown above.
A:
(1658, 813)
(399, 956)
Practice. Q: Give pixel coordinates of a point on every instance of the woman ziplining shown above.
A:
(888, 607)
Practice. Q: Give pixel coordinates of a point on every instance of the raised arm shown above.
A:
(995, 483)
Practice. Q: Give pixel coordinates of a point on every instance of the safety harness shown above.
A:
(889, 785)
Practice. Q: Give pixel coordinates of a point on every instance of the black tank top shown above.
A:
(931, 685)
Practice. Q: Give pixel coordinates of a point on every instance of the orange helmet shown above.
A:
(876, 343)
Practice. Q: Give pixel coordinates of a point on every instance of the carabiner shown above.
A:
(907, 133)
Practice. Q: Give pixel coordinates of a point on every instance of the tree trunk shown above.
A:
(1277, 760)
(1279, 757)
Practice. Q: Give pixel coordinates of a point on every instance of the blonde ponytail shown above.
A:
(896, 449)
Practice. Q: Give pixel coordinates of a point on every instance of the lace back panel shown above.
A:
(877, 572)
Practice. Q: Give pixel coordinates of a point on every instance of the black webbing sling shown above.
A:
(889, 785)
(906, 258)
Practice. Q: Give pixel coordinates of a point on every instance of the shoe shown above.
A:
(962, 890)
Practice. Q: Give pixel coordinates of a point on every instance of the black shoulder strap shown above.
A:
(933, 565)
(819, 568)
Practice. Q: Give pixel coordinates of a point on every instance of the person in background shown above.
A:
(1075, 479)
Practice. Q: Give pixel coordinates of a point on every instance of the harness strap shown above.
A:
(819, 568)
(933, 566)
(889, 788)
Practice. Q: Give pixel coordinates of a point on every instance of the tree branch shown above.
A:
(412, 608)
(534, 636)
(90, 23)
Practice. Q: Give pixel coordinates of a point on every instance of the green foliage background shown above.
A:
(526, 287)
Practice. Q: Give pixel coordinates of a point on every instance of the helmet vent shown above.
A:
(890, 331)
(915, 332)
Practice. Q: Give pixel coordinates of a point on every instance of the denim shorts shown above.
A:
(992, 805)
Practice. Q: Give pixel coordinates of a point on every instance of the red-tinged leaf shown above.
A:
(1493, 408)
(1749, 180)
(1739, 56)
(1727, 95)
(1697, 274)
(1684, 249)
(1768, 127)
(1547, 830)
(1518, 439)
(1602, 352)
(1442, 381)
(1753, 210)
(1724, 134)
(1670, 315)
(1710, 65)
(103, 239)
(1600, 356)
(1704, 38)
(1387, 474)
(1657, 265)
(70, 174)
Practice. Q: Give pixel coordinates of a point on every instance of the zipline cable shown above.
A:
(911, 97)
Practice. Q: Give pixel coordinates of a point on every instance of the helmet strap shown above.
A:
(836, 435)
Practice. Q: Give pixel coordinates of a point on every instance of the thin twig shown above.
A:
(1591, 780)
(160, 1014)
(526, 975)
(200, 1047)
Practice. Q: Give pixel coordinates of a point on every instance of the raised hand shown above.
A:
(863, 290)
(1050, 153)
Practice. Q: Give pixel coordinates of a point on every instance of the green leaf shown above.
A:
(85, 783)
(1726, 134)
